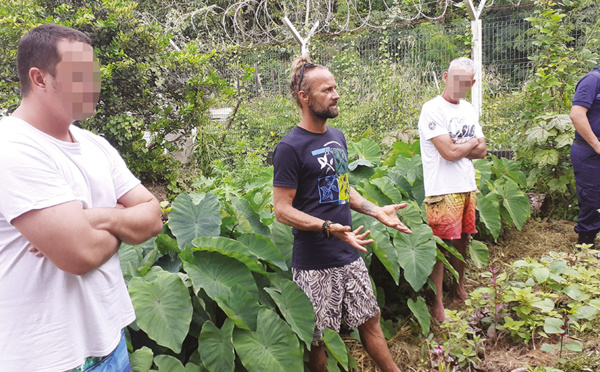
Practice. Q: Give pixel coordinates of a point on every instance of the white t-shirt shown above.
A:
(461, 122)
(51, 320)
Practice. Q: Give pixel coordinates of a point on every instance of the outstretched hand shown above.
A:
(388, 216)
(354, 238)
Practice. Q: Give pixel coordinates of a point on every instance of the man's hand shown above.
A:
(388, 216)
(351, 237)
(36, 252)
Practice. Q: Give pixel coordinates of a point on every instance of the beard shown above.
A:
(329, 112)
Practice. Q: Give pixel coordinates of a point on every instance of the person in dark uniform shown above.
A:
(585, 155)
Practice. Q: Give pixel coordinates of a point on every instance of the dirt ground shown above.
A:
(534, 240)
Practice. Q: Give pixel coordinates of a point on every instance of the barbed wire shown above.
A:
(256, 22)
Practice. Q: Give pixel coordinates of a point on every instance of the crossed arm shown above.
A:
(79, 240)
(475, 148)
(287, 214)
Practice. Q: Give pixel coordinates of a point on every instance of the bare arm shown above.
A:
(582, 125)
(453, 151)
(63, 234)
(288, 215)
(480, 151)
(137, 222)
(386, 214)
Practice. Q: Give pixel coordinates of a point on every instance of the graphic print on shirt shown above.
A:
(334, 187)
(459, 131)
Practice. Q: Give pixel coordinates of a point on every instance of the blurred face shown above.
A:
(323, 96)
(458, 83)
(77, 80)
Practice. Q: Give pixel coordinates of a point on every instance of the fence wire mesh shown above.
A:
(385, 76)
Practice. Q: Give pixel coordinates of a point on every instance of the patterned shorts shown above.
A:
(338, 294)
(451, 215)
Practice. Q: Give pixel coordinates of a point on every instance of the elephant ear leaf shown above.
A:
(488, 205)
(190, 219)
(163, 307)
(217, 274)
(272, 347)
(296, 308)
(516, 203)
(416, 255)
(216, 346)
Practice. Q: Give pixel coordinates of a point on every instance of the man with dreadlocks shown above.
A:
(311, 194)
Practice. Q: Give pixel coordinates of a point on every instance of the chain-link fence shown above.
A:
(384, 77)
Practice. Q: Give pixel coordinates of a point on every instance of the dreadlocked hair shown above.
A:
(295, 82)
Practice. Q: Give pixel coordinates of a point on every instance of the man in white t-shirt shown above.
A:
(451, 137)
(67, 201)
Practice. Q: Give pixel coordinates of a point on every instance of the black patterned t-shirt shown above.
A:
(316, 165)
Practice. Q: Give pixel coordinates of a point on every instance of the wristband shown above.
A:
(325, 229)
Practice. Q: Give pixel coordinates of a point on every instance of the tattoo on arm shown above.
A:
(367, 207)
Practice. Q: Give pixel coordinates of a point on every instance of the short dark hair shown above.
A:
(38, 48)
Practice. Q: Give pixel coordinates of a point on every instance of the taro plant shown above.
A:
(209, 302)
(501, 199)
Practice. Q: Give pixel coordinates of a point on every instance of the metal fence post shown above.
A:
(476, 53)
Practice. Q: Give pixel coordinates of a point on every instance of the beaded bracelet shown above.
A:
(325, 229)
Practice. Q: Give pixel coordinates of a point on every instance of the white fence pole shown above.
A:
(476, 53)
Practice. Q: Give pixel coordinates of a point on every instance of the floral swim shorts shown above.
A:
(451, 215)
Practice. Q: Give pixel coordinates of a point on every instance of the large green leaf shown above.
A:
(381, 246)
(248, 215)
(216, 346)
(273, 347)
(385, 251)
(516, 202)
(217, 274)
(283, 239)
(189, 220)
(241, 307)
(166, 244)
(388, 188)
(411, 214)
(163, 307)
(420, 311)
(402, 149)
(554, 326)
(131, 258)
(487, 205)
(416, 255)
(296, 308)
(336, 347)
(409, 168)
(229, 247)
(479, 253)
(371, 192)
(546, 157)
(365, 149)
(483, 172)
(263, 248)
(167, 363)
(141, 359)
(538, 134)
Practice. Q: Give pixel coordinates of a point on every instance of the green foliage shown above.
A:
(218, 275)
(543, 142)
(551, 302)
(153, 97)
(558, 67)
(501, 200)
(196, 293)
